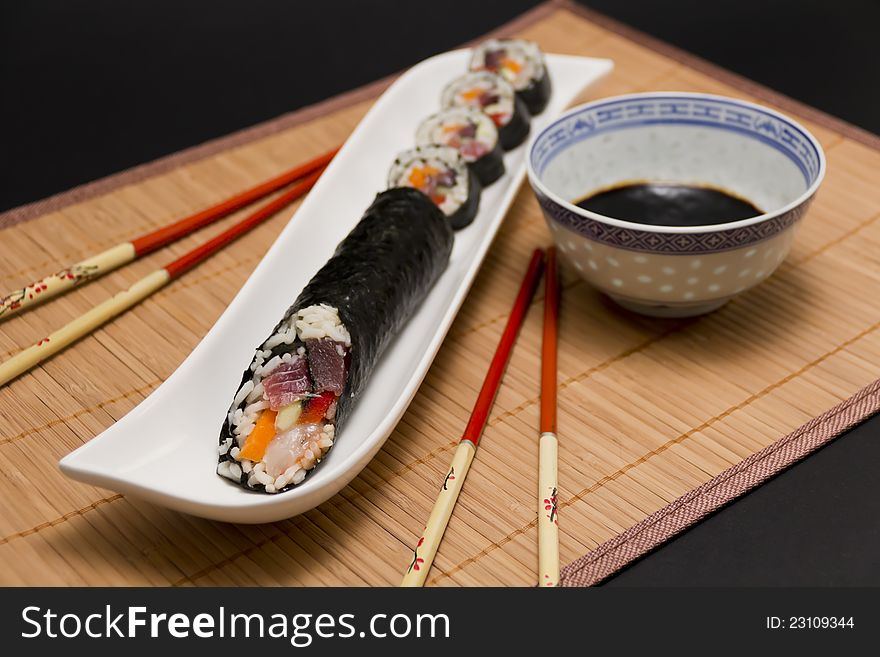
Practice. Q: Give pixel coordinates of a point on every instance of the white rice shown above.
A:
(321, 321)
(224, 469)
(243, 392)
(294, 474)
(259, 358)
(261, 372)
(256, 393)
(286, 335)
(453, 94)
(439, 157)
(432, 130)
(313, 322)
(288, 476)
(525, 53)
(255, 407)
(242, 431)
(264, 478)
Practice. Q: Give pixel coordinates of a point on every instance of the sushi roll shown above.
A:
(519, 62)
(305, 378)
(495, 97)
(441, 173)
(471, 133)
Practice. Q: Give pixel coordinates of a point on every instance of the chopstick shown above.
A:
(426, 548)
(125, 252)
(548, 526)
(119, 303)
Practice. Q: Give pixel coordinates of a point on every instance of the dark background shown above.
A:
(91, 87)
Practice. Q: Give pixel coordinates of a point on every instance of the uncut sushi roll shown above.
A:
(519, 62)
(440, 173)
(305, 378)
(495, 97)
(471, 133)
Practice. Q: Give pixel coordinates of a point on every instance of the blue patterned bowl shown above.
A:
(668, 271)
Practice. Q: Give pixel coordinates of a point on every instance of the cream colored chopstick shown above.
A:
(548, 485)
(426, 547)
(119, 303)
(82, 325)
(91, 268)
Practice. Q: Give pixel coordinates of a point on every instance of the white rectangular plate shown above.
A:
(165, 450)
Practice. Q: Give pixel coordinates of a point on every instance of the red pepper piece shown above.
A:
(315, 408)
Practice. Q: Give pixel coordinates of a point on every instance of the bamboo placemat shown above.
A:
(660, 421)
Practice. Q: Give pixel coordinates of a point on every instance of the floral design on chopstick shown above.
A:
(12, 301)
(417, 561)
(551, 504)
(42, 342)
(78, 273)
(449, 477)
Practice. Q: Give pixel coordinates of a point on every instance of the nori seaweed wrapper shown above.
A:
(376, 278)
(378, 275)
(517, 129)
(489, 167)
(467, 211)
(537, 94)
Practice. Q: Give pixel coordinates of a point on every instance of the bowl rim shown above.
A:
(539, 186)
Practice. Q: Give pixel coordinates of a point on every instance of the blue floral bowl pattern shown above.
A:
(675, 137)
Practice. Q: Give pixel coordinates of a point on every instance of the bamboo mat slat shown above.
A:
(649, 410)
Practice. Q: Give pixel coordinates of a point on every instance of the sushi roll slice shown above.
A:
(305, 378)
(441, 173)
(495, 97)
(471, 133)
(519, 62)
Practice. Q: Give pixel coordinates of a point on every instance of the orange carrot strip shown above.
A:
(418, 174)
(511, 64)
(260, 437)
(472, 94)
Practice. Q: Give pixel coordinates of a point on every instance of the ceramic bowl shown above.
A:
(752, 151)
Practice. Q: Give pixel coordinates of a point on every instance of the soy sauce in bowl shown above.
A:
(669, 204)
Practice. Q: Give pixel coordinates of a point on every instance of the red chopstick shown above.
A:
(119, 303)
(548, 461)
(172, 232)
(548, 347)
(200, 253)
(480, 414)
(125, 252)
(426, 548)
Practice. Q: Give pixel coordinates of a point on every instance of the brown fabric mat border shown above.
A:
(658, 528)
(259, 131)
(734, 482)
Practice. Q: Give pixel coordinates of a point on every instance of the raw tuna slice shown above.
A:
(289, 382)
(327, 362)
